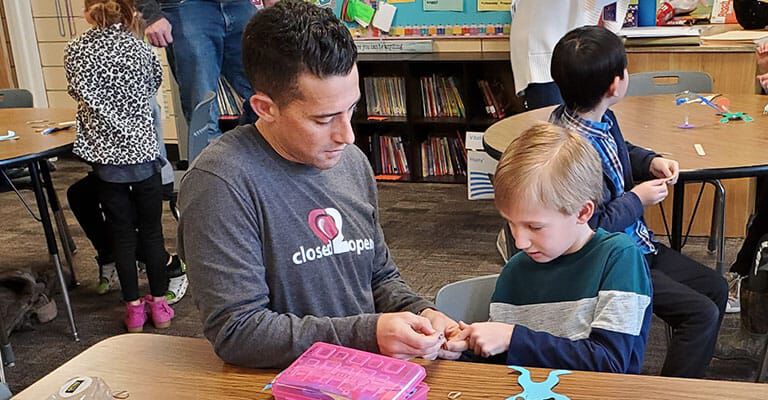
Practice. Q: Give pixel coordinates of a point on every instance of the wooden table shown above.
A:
(152, 366)
(736, 149)
(32, 150)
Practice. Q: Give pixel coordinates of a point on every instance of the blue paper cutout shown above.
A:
(538, 390)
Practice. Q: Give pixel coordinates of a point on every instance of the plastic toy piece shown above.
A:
(538, 390)
(735, 116)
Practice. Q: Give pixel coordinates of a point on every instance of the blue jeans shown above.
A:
(207, 43)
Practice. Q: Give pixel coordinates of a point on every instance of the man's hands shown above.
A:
(405, 335)
(442, 323)
(159, 33)
(485, 339)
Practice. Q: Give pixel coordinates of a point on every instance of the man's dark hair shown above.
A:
(584, 64)
(290, 38)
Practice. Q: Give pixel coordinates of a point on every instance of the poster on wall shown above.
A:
(493, 5)
(444, 5)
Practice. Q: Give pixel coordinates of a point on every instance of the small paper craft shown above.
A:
(699, 149)
(734, 116)
(444, 5)
(360, 12)
(383, 17)
(538, 390)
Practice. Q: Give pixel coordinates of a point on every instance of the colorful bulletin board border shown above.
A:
(411, 21)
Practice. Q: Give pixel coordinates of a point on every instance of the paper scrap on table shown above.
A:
(443, 5)
(384, 16)
(699, 149)
(10, 136)
(538, 390)
(360, 12)
(493, 5)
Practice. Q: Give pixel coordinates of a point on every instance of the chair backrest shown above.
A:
(198, 126)
(467, 300)
(667, 82)
(15, 98)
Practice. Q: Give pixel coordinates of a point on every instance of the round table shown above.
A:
(735, 149)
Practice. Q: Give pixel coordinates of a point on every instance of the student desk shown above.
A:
(736, 149)
(32, 150)
(153, 366)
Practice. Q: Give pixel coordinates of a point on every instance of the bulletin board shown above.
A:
(412, 14)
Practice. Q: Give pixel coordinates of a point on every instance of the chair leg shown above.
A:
(763, 367)
(717, 232)
(668, 331)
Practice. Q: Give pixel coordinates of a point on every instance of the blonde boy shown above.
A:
(572, 298)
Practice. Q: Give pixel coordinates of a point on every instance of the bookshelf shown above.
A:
(442, 100)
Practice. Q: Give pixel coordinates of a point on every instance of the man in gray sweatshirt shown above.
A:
(279, 220)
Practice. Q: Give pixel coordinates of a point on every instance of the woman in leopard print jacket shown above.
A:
(113, 75)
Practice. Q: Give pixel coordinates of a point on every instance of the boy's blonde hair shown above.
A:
(551, 166)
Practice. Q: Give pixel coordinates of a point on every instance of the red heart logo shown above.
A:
(322, 225)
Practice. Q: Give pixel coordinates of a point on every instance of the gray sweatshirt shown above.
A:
(281, 255)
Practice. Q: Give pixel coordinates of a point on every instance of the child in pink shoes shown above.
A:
(113, 75)
(156, 308)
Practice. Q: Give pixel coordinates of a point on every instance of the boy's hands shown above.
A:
(405, 335)
(651, 192)
(483, 338)
(665, 168)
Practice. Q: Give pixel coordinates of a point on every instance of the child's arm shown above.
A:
(70, 73)
(615, 214)
(156, 74)
(616, 342)
(485, 339)
(640, 160)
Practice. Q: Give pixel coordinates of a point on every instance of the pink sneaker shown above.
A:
(160, 312)
(135, 316)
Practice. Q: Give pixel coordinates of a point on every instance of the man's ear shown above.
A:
(264, 106)
(586, 212)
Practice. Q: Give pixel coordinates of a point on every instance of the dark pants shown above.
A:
(538, 95)
(759, 227)
(83, 198)
(690, 298)
(133, 213)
